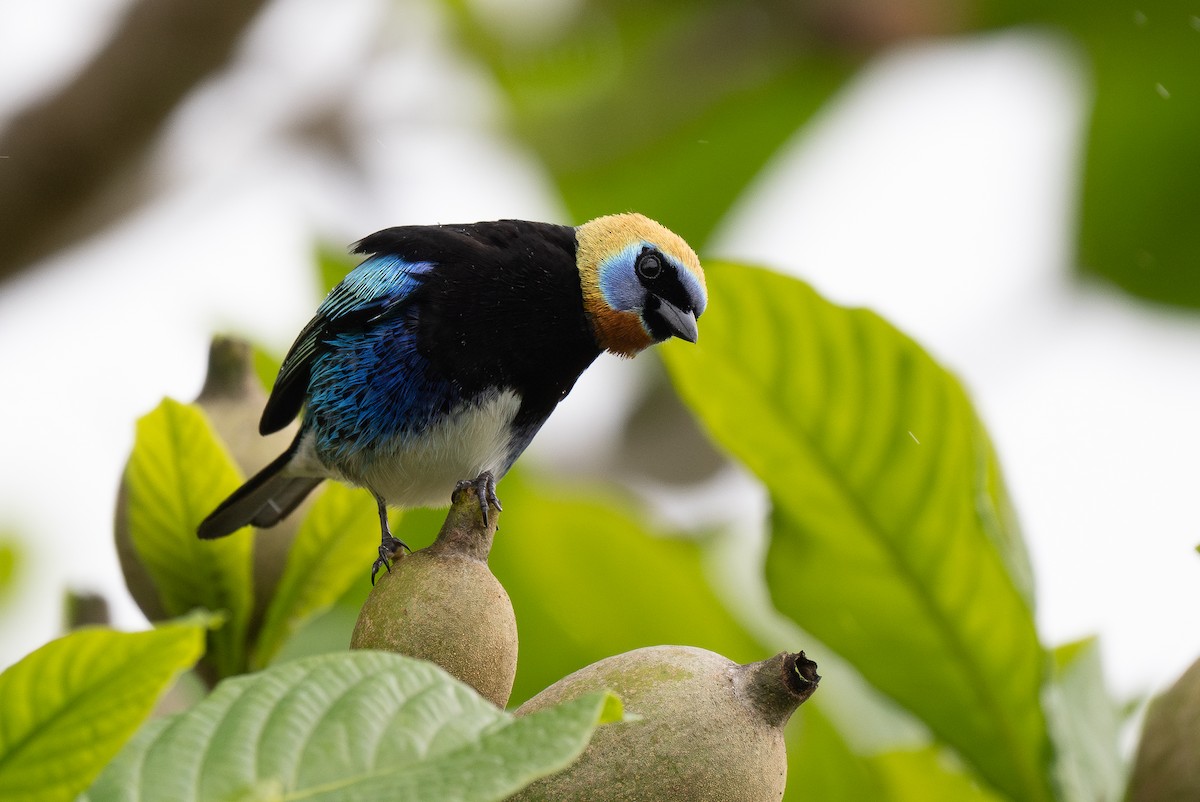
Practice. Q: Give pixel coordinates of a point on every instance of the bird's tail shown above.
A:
(264, 500)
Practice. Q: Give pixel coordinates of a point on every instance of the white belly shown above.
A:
(421, 471)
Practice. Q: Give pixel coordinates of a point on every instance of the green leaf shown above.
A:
(1141, 167)
(10, 557)
(350, 727)
(1086, 725)
(330, 553)
(177, 474)
(69, 706)
(821, 765)
(629, 107)
(588, 581)
(892, 540)
(929, 775)
(266, 366)
(333, 263)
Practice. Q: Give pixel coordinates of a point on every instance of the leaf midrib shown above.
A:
(53, 719)
(1030, 777)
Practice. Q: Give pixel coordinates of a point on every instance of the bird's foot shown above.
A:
(485, 490)
(389, 547)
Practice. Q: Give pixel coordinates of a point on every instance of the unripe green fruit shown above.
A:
(232, 398)
(700, 728)
(1167, 766)
(442, 604)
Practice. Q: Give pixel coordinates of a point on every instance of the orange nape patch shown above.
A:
(621, 330)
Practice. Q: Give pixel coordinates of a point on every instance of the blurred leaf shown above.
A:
(891, 539)
(1086, 725)
(329, 631)
(1167, 765)
(1141, 179)
(670, 109)
(71, 705)
(352, 726)
(332, 266)
(587, 582)
(10, 555)
(324, 633)
(705, 164)
(927, 775)
(332, 551)
(821, 765)
(266, 366)
(177, 474)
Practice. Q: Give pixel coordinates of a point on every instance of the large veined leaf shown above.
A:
(349, 727)
(332, 550)
(891, 538)
(68, 707)
(177, 474)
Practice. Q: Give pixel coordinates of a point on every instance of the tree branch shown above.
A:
(64, 152)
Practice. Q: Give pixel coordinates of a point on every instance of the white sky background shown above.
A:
(938, 188)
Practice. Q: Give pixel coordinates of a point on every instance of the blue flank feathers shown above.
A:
(373, 385)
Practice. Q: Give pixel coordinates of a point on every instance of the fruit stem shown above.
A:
(230, 371)
(463, 531)
(775, 687)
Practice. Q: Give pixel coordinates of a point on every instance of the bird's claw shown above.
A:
(485, 490)
(389, 547)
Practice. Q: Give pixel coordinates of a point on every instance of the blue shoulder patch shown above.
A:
(367, 381)
(377, 284)
(376, 289)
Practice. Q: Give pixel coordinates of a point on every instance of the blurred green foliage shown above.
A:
(321, 564)
(666, 108)
(1141, 167)
(10, 560)
(1087, 723)
(672, 108)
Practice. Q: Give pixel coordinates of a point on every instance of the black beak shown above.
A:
(682, 324)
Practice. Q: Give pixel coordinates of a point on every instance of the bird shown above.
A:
(437, 359)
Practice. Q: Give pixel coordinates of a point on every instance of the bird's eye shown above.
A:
(649, 266)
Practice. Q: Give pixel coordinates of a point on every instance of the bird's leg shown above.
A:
(388, 545)
(485, 491)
